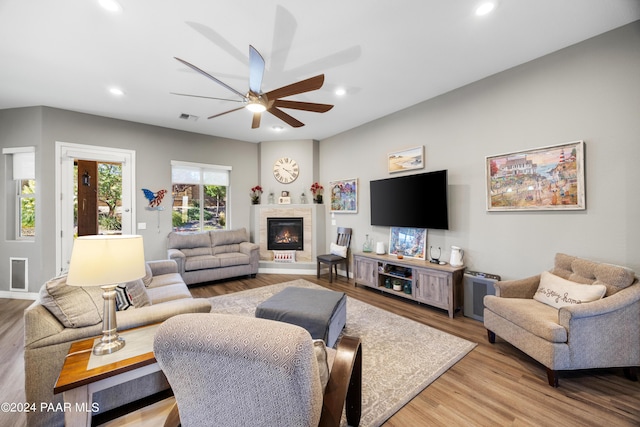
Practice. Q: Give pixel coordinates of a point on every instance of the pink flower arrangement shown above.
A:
(255, 194)
(316, 189)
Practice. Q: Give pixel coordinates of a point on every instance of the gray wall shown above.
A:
(155, 148)
(590, 92)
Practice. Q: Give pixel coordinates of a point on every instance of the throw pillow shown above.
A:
(138, 293)
(123, 298)
(73, 306)
(558, 292)
(336, 249)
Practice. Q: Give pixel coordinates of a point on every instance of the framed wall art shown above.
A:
(344, 195)
(410, 242)
(411, 158)
(546, 178)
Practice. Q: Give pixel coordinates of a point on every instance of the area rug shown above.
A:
(400, 357)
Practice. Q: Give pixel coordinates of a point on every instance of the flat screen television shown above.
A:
(418, 201)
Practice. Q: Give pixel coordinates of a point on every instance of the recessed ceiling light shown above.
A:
(277, 128)
(116, 91)
(110, 5)
(485, 8)
(341, 91)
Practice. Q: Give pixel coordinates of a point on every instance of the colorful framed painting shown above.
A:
(410, 242)
(344, 195)
(409, 159)
(547, 178)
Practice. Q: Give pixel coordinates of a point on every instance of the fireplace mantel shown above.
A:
(314, 236)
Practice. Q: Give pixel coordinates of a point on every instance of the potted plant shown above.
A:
(255, 194)
(317, 191)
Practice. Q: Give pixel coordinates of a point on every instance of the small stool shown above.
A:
(321, 312)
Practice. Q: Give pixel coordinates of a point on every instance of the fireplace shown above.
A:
(285, 234)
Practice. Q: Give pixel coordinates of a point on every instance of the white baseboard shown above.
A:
(19, 295)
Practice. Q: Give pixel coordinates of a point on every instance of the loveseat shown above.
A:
(213, 255)
(64, 314)
(580, 315)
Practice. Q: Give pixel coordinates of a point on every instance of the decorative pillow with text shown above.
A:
(558, 292)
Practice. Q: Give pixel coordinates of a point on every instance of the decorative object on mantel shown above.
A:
(317, 190)
(344, 195)
(154, 199)
(303, 198)
(547, 178)
(255, 194)
(284, 198)
(272, 197)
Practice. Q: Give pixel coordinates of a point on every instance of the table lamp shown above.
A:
(107, 261)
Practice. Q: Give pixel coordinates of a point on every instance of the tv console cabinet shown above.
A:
(428, 283)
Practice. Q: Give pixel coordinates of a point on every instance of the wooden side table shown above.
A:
(84, 373)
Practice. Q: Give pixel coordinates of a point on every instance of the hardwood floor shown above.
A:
(495, 384)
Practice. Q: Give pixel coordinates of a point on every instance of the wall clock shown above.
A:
(286, 170)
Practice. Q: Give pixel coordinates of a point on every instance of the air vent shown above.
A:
(185, 116)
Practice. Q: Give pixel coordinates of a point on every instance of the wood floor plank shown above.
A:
(494, 385)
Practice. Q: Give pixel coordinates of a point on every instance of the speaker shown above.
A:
(476, 286)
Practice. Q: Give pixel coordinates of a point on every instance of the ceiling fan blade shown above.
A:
(204, 73)
(226, 112)
(313, 83)
(255, 123)
(305, 106)
(207, 97)
(291, 121)
(256, 70)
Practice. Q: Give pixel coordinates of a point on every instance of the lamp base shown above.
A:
(110, 341)
(104, 347)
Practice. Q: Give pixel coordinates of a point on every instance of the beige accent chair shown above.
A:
(237, 370)
(600, 334)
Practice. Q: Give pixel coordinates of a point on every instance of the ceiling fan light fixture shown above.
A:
(256, 107)
(485, 8)
(110, 5)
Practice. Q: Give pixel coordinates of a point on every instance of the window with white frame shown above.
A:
(21, 192)
(199, 196)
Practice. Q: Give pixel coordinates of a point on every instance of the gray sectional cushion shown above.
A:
(231, 259)
(228, 237)
(189, 240)
(201, 262)
(148, 275)
(73, 306)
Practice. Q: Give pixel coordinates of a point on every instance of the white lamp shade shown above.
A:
(106, 260)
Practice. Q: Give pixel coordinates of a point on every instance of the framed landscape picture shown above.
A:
(410, 242)
(411, 158)
(343, 195)
(547, 178)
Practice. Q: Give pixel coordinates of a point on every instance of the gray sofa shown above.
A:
(64, 314)
(213, 255)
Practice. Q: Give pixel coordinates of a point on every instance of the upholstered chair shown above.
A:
(580, 315)
(237, 370)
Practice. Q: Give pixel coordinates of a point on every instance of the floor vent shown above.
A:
(18, 277)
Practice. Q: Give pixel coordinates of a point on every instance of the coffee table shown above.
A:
(84, 373)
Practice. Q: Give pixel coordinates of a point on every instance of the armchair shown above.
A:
(603, 333)
(238, 370)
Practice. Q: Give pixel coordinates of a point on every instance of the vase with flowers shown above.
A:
(317, 190)
(255, 194)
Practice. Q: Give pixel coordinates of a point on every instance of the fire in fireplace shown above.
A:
(285, 234)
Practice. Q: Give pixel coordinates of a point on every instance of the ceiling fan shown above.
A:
(257, 101)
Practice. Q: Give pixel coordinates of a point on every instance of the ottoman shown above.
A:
(321, 312)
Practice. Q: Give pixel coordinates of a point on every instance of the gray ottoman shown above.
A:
(321, 312)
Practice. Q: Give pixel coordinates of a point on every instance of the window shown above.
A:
(20, 179)
(199, 196)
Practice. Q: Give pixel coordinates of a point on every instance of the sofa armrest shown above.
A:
(163, 266)
(160, 312)
(178, 256)
(567, 316)
(520, 288)
(248, 247)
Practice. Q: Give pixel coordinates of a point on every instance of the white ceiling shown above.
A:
(388, 55)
